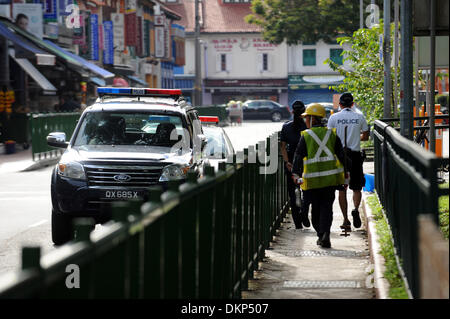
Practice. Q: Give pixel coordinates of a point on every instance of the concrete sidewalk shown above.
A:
(297, 268)
(22, 161)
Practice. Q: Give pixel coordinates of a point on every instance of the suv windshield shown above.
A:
(119, 128)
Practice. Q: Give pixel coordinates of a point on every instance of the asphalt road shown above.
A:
(25, 204)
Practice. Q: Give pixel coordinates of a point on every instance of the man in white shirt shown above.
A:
(357, 131)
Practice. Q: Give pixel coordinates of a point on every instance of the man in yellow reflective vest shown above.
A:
(318, 169)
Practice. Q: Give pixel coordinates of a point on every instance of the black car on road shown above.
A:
(265, 109)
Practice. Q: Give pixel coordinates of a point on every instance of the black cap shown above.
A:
(298, 105)
(346, 99)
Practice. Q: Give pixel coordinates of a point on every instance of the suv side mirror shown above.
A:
(57, 139)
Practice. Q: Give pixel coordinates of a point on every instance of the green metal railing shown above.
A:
(213, 110)
(201, 239)
(406, 180)
(42, 124)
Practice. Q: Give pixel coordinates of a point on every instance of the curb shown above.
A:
(41, 163)
(381, 285)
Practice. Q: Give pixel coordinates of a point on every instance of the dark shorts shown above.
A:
(357, 180)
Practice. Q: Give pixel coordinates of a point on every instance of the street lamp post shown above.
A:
(198, 67)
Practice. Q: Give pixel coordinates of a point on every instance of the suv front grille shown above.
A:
(117, 175)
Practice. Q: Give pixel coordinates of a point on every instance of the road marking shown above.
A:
(38, 223)
(26, 197)
(25, 192)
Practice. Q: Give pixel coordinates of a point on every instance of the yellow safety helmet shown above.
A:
(315, 110)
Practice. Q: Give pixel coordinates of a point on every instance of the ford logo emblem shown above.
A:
(122, 178)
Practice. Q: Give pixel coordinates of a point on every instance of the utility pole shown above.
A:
(198, 54)
(387, 58)
(432, 74)
(406, 90)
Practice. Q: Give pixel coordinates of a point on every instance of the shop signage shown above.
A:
(131, 29)
(304, 82)
(119, 34)
(108, 42)
(62, 5)
(34, 13)
(159, 41)
(139, 37)
(94, 37)
(50, 10)
(148, 68)
(85, 48)
(146, 38)
(159, 19)
(167, 40)
(282, 83)
(51, 30)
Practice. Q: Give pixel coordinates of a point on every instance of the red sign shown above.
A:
(131, 35)
(139, 37)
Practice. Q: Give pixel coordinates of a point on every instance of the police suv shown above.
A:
(129, 140)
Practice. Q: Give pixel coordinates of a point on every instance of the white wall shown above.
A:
(244, 54)
(295, 54)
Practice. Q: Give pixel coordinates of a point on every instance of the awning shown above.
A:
(41, 43)
(120, 69)
(97, 81)
(90, 66)
(137, 80)
(37, 76)
(27, 48)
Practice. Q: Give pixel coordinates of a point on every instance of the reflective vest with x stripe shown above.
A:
(321, 167)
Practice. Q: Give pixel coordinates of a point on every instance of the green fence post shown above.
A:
(246, 228)
(205, 239)
(112, 282)
(171, 250)
(188, 238)
(135, 247)
(31, 261)
(219, 238)
(227, 245)
(153, 247)
(252, 234)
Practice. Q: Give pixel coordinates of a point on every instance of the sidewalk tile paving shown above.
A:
(295, 267)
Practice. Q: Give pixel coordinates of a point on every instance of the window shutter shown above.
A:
(259, 62)
(228, 59)
(218, 62)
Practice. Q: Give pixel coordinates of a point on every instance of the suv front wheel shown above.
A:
(62, 231)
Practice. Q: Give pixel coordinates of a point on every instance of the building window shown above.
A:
(309, 57)
(265, 62)
(336, 57)
(223, 62)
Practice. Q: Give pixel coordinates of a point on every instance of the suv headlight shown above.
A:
(174, 172)
(71, 170)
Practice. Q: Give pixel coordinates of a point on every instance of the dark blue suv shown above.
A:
(121, 146)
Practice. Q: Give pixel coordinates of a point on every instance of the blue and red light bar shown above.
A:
(174, 93)
(209, 119)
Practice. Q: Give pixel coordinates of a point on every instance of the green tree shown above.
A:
(299, 21)
(364, 74)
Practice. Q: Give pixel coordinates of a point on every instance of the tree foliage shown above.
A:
(365, 77)
(299, 21)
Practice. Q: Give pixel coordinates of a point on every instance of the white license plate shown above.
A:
(121, 194)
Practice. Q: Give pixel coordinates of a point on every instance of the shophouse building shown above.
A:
(236, 63)
(71, 47)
